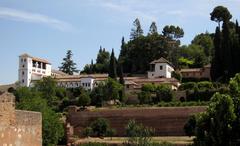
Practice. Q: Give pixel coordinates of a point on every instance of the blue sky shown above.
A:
(47, 28)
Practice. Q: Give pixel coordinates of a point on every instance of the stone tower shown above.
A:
(7, 109)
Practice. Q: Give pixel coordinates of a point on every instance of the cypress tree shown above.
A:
(121, 78)
(91, 67)
(227, 51)
(112, 66)
(216, 68)
(68, 66)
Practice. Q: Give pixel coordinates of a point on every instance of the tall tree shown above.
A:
(112, 66)
(227, 51)
(153, 29)
(220, 14)
(216, 68)
(68, 66)
(136, 31)
(206, 41)
(121, 78)
(173, 32)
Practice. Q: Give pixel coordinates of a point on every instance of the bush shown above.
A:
(88, 131)
(149, 88)
(205, 85)
(84, 99)
(188, 86)
(138, 134)
(194, 79)
(164, 93)
(99, 128)
(189, 127)
(177, 75)
(144, 97)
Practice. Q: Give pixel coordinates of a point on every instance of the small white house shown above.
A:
(160, 68)
(32, 68)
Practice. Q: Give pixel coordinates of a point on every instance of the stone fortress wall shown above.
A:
(18, 127)
(167, 121)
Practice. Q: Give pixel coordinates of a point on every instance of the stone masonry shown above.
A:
(18, 127)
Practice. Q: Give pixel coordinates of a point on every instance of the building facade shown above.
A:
(32, 68)
(197, 73)
(160, 68)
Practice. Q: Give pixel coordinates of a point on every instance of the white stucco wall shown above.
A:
(165, 71)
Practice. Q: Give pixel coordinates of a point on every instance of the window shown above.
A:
(161, 67)
(25, 60)
(88, 84)
(44, 66)
(23, 73)
(22, 81)
(23, 66)
(21, 60)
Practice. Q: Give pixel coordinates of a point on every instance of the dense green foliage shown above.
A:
(100, 128)
(164, 93)
(108, 90)
(112, 73)
(31, 99)
(225, 62)
(189, 127)
(84, 99)
(101, 65)
(136, 54)
(138, 134)
(68, 66)
(151, 94)
(219, 124)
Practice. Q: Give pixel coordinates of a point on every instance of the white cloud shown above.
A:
(128, 9)
(18, 15)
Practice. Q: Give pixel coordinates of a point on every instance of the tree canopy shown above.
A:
(68, 66)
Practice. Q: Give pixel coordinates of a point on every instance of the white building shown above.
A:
(32, 68)
(160, 68)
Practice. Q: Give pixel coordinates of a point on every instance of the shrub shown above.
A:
(164, 93)
(84, 99)
(194, 79)
(138, 134)
(144, 97)
(189, 127)
(149, 88)
(188, 86)
(100, 128)
(177, 75)
(205, 85)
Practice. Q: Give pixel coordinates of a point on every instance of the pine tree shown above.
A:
(68, 66)
(153, 29)
(137, 30)
(112, 66)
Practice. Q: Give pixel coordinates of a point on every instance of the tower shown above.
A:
(7, 109)
(25, 70)
(32, 69)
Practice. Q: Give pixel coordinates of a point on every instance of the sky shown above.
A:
(48, 28)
